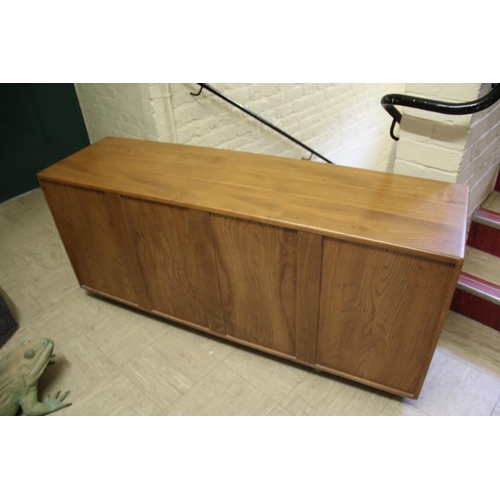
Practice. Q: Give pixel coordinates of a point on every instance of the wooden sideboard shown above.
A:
(344, 270)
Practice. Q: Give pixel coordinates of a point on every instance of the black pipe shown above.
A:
(259, 118)
(464, 108)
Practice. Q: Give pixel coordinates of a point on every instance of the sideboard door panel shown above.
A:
(95, 236)
(380, 313)
(257, 266)
(176, 256)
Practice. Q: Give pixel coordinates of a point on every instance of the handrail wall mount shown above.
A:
(464, 108)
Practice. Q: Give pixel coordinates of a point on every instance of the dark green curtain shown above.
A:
(40, 124)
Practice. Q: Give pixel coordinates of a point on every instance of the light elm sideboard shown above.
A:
(344, 270)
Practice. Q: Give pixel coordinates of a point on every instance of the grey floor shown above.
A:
(117, 361)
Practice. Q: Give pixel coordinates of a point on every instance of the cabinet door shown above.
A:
(174, 249)
(94, 233)
(380, 313)
(269, 279)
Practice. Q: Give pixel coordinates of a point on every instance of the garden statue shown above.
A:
(19, 375)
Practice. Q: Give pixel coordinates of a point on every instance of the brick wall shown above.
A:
(344, 122)
(462, 149)
(481, 158)
(114, 109)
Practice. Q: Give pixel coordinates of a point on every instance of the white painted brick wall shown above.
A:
(430, 155)
(451, 148)
(449, 92)
(344, 122)
(453, 92)
(481, 159)
(114, 109)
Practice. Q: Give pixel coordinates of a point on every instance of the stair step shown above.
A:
(477, 299)
(487, 217)
(483, 265)
(493, 202)
(478, 290)
(484, 232)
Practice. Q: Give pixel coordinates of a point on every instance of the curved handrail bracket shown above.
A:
(199, 92)
(389, 102)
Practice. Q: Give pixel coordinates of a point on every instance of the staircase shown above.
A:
(478, 290)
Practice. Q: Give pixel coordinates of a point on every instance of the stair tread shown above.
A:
(482, 265)
(472, 341)
(492, 203)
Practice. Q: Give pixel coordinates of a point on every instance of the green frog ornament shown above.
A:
(19, 375)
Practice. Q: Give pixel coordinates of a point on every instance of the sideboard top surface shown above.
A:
(416, 215)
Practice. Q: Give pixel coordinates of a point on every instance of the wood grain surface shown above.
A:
(418, 215)
(175, 253)
(94, 234)
(257, 267)
(346, 271)
(309, 253)
(380, 313)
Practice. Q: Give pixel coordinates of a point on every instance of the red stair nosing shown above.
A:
(488, 214)
(477, 308)
(479, 284)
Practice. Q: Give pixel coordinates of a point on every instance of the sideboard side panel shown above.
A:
(91, 227)
(257, 265)
(380, 313)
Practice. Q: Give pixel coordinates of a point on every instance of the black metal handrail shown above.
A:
(260, 119)
(464, 108)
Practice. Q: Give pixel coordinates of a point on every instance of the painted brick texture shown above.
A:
(463, 149)
(481, 158)
(112, 109)
(343, 122)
